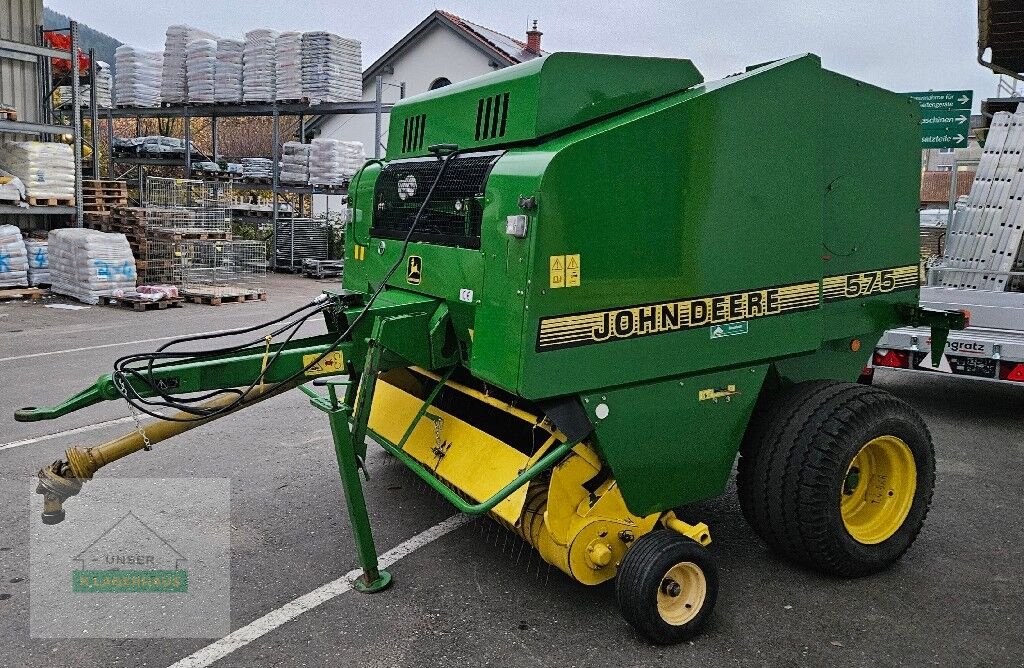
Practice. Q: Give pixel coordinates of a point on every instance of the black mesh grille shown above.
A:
(455, 211)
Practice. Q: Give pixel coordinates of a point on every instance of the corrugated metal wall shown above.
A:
(19, 83)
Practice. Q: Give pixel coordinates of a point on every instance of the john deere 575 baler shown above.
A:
(575, 289)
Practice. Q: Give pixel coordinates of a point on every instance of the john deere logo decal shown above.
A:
(414, 272)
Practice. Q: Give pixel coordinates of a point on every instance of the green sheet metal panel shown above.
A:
(714, 192)
(532, 100)
(672, 442)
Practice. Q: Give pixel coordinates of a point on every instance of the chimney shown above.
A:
(533, 39)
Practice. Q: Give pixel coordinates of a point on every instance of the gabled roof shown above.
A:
(501, 48)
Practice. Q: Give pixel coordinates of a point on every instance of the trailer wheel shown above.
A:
(667, 586)
(839, 478)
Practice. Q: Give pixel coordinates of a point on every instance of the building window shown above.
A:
(944, 168)
(946, 151)
(440, 82)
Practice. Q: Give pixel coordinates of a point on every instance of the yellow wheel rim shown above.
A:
(878, 490)
(681, 594)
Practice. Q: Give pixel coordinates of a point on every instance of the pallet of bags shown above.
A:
(46, 169)
(138, 78)
(332, 67)
(228, 70)
(259, 68)
(200, 70)
(13, 258)
(295, 163)
(288, 66)
(88, 265)
(332, 161)
(38, 256)
(174, 79)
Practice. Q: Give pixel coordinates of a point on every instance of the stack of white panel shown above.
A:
(46, 168)
(200, 66)
(174, 81)
(256, 168)
(295, 163)
(228, 72)
(332, 67)
(38, 262)
(87, 265)
(333, 162)
(13, 258)
(985, 236)
(259, 68)
(138, 77)
(289, 66)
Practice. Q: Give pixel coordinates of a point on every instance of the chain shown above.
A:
(119, 383)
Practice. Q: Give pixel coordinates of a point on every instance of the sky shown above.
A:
(903, 45)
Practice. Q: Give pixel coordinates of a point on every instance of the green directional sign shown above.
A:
(945, 117)
(944, 99)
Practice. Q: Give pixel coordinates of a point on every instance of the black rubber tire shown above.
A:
(793, 462)
(641, 574)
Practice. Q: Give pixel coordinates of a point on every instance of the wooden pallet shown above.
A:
(35, 294)
(104, 185)
(50, 201)
(137, 304)
(213, 299)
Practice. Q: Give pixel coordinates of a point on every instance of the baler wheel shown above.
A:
(667, 586)
(838, 477)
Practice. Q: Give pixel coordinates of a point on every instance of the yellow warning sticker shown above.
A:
(557, 270)
(712, 394)
(358, 252)
(332, 363)
(572, 271)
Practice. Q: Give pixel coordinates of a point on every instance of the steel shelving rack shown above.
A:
(41, 55)
(275, 110)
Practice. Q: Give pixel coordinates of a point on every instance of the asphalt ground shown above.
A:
(476, 596)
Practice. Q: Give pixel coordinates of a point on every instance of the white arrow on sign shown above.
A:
(963, 99)
(958, 138)
(961, 119)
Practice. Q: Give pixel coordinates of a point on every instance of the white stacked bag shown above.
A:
(104, 85)
(228, 71)
(200, 70)
(257, 168)
(87, 265)
(295, 163)
(288, 54)
(332, 161)
(259, 69)
(138, 77)
(13, 258)
(38, 262)
(46, 168)
(174, 81)
(332, 67)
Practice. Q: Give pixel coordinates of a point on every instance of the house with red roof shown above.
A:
(442, 49)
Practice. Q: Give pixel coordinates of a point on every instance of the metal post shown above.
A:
(952, 194)
(94, 116)
(401, 91)
(188, 143)
(274, 182)
(213, 136)
(76, 125)
(110, 144)
(377, 114)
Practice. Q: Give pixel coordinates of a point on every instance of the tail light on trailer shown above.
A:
(1011, 371)
(895, 359)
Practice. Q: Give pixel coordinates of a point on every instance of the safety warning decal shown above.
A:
(661, 318)
(564, 271)
(866, 283)
(332, 362)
